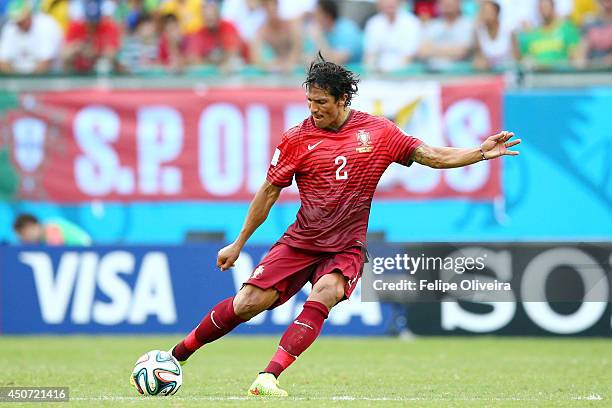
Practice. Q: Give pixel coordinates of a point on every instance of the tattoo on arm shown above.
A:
(425, 155)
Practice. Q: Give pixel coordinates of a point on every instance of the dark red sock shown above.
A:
(217, 323)
(298, 337)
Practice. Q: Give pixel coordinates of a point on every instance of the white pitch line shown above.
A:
(593, 397)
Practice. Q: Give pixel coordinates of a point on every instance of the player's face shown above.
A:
(326, 111)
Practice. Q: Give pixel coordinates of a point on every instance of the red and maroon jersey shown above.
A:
(337, 173)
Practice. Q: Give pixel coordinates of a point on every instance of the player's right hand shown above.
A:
(227, 256)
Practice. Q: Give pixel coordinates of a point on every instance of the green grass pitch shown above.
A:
(334, 372)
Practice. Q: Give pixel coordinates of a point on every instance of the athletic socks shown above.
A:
(217, 323)
(222, 319)
(298, 337)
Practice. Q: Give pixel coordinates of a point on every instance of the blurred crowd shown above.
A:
(135, 36)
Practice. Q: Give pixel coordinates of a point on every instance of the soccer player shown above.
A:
(337, 156)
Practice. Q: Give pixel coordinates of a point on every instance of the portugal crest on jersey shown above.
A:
(257, 272)
(363, 138)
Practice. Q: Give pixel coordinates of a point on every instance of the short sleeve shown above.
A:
(284, 161)
(401, 145)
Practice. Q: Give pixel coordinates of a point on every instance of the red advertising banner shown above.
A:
(216, 144)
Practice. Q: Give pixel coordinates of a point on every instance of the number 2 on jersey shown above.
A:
(341, 160)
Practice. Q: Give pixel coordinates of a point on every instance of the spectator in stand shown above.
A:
(188, 13)
(56, 231)
(278, 43)
(553, 43)
(391, 37)
(596, 46)
(338, 38)
(218, 42)
(65, 11)
(493, 40)
(447, 39)
(171, 44)
(93, 43)
(247, 15)
(140, 47)
(523, 15)
(30, 42)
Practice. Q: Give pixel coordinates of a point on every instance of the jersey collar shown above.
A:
(348, 118)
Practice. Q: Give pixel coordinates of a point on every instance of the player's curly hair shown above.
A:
(333, 78)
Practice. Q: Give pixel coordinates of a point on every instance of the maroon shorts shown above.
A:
(287, 269)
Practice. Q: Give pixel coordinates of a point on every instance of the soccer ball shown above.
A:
(157, 373)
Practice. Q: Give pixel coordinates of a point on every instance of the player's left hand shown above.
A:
(499, 144)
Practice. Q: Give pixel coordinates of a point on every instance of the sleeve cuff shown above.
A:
(277, 183)
(409, 162)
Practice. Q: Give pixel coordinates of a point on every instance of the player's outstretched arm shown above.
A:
(450, 157)
(258, 212)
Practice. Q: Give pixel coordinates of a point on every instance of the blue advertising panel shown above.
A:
(143, 290)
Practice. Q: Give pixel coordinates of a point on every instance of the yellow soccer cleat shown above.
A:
(266, 385)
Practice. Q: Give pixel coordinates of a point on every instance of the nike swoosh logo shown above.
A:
(310, 147)
(213, 320)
